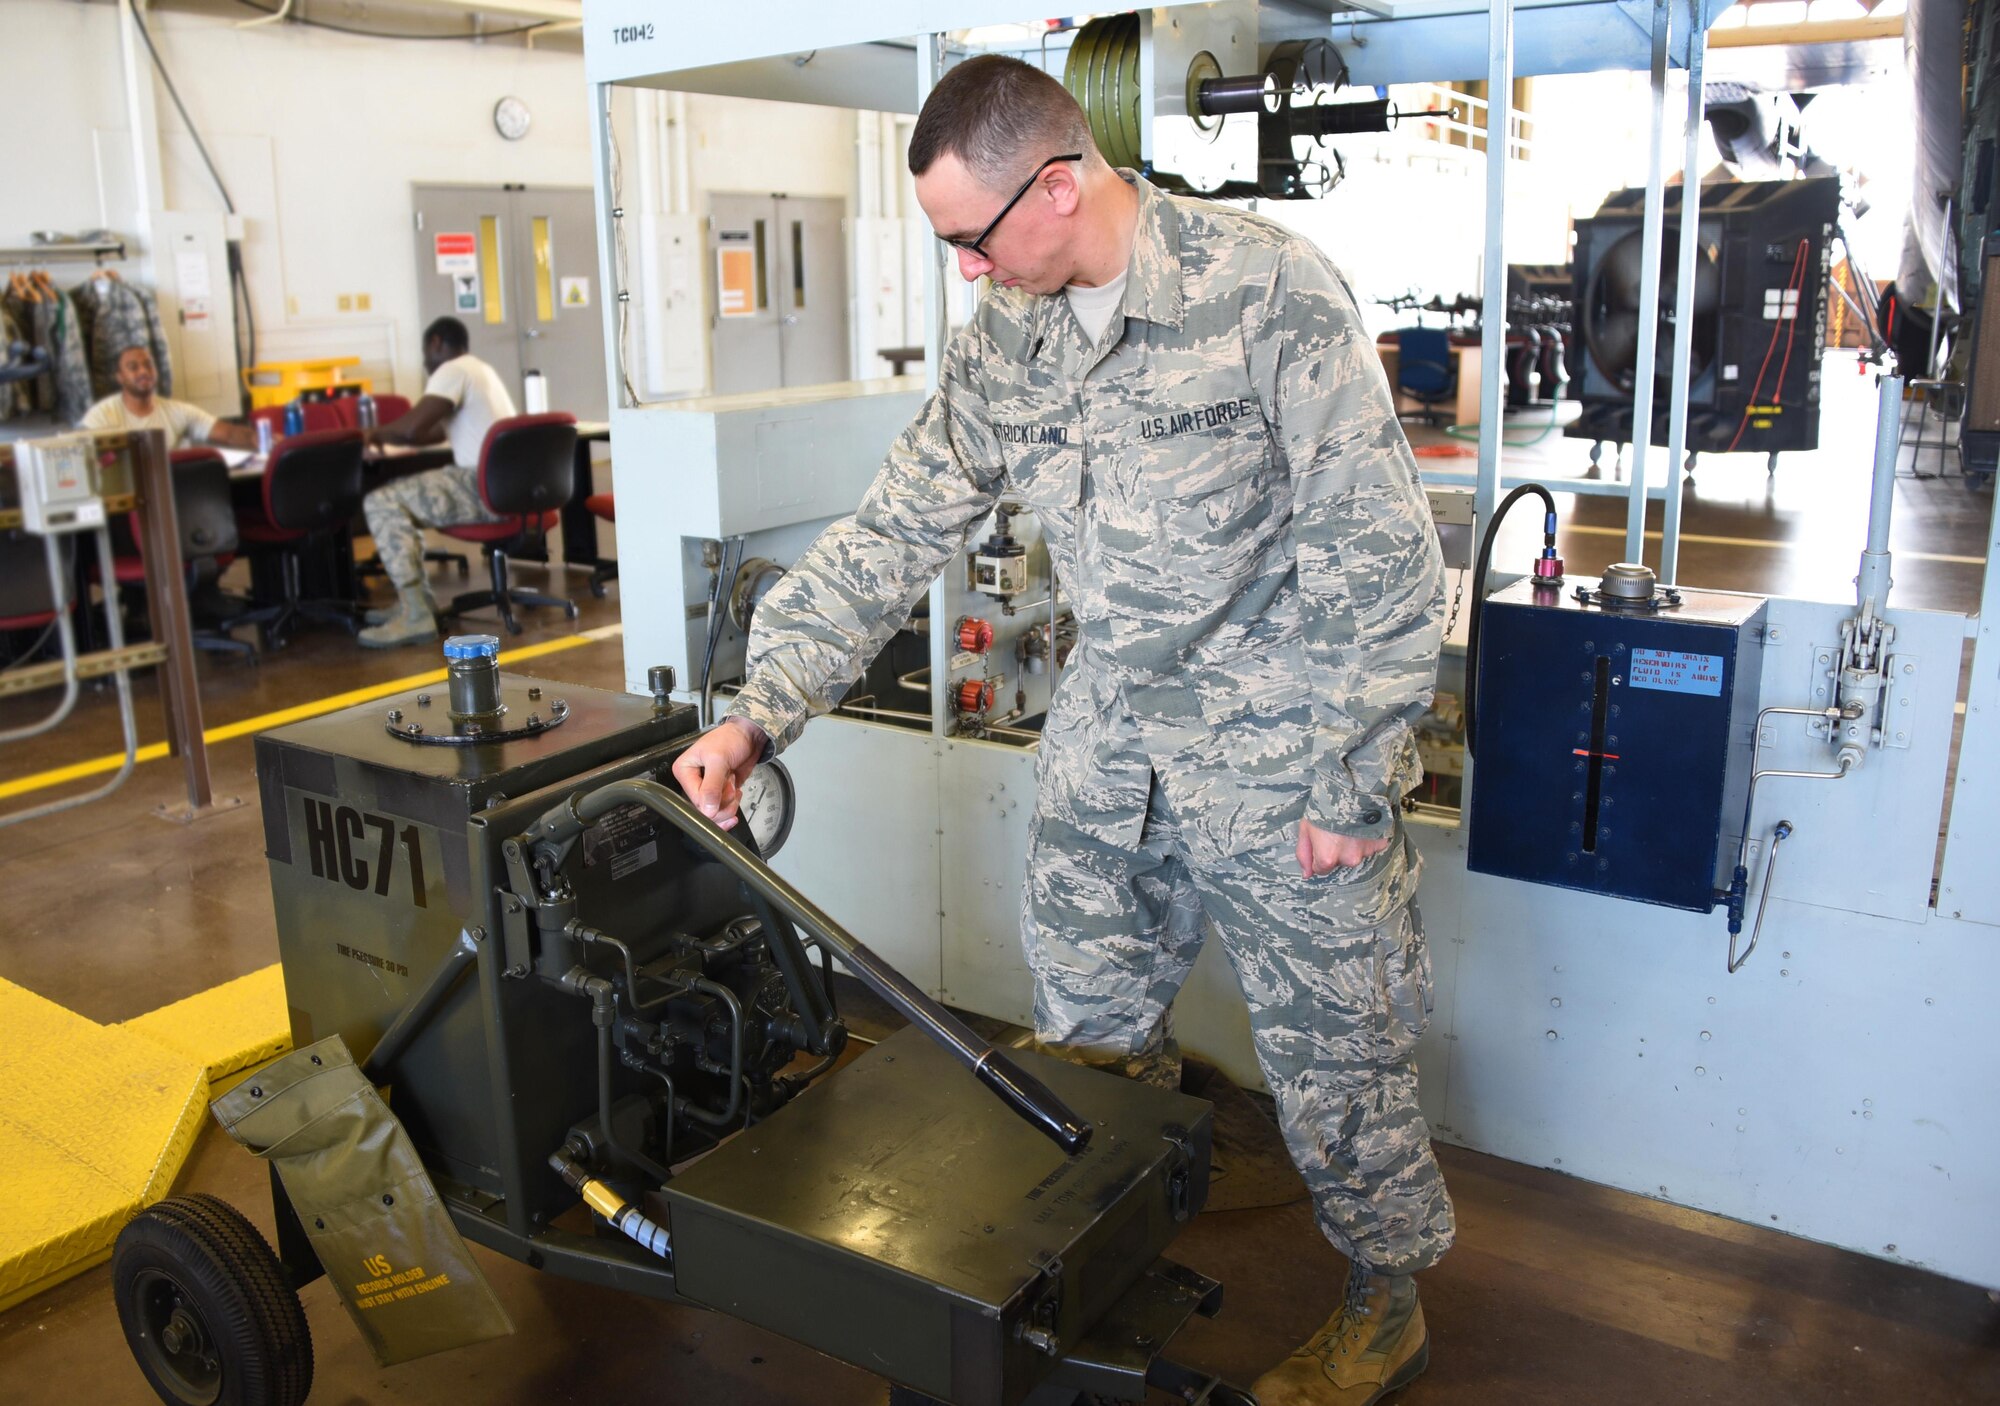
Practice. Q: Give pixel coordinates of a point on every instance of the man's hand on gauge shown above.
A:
(1322, 851)
(716, 764)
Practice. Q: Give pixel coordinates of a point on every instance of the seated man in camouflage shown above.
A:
(462, 399)
(1184, 396)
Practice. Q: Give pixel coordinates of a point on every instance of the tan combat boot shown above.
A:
(1374, 1345)
(383, 614)
(411, 623)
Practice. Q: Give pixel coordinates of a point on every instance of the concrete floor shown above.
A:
(1558, 1291)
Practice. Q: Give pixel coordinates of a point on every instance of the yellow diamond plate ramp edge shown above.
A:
(230, 1028)
(97, 1120)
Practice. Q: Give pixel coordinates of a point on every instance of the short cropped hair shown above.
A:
(1001, 117)
(452, 333)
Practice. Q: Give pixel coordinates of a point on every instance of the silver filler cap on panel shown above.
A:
(1628, 581)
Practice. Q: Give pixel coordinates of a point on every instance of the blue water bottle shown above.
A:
(295, 418)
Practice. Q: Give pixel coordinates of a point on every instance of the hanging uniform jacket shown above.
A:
(13, 401)
(56, 328)
(114, 316)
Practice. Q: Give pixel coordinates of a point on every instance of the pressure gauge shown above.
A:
(766, 804)
(511, 118)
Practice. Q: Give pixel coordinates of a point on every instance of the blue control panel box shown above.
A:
(1614, 742)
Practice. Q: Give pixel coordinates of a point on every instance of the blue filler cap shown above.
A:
(472, 647)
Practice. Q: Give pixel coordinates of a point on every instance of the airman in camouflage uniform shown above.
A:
(1235, 517)
(463, 397)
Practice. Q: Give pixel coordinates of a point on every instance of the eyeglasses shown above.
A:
(972, 245)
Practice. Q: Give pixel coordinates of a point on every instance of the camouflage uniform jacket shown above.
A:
(1234, 516)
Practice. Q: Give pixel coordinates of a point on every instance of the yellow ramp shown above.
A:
(97, 1123)
(230, 1028)
(96, 1120)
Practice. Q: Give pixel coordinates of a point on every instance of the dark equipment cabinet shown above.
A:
(1615, 745)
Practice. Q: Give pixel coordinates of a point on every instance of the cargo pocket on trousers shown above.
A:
(365, 1202)
(1403, 965)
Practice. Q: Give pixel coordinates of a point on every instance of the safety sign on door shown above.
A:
(465, 292)
(457, 253)
(735, 274)
(576, 292)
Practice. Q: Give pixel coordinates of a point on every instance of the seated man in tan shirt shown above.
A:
(136, 407)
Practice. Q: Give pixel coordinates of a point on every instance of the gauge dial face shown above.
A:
(511, 118)
(766, 805)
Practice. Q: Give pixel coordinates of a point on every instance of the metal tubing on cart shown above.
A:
(1031, 1100)
(381, 1061)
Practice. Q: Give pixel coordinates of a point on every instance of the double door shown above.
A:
(518, 266)
(778, 313)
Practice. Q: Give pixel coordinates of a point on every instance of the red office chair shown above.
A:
(603, 506)
(527, 471)
(310, 491)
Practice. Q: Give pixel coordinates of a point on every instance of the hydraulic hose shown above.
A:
(622, 1215)
(1479, 592)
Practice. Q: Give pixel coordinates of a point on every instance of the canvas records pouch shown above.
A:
(385, 1239)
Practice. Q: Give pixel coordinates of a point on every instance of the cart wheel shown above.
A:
(207, 1310)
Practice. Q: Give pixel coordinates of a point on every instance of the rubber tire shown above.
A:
(236, 1287)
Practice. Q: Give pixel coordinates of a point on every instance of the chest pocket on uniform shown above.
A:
(1199, 448)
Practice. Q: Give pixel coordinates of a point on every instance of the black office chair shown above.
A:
(527, 471)
(310, 492)
(1424, 369)
(27, 606)
(207, 519)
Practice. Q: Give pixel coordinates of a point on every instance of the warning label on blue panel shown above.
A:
(1673, 672)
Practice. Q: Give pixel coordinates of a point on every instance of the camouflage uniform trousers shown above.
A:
(399, 510)
(1111, 933)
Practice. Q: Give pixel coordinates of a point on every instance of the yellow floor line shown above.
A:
(1594, 530)
(153, 751)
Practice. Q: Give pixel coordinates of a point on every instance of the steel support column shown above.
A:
(1677, 404)
(1650, 241)
(610, 215)
(937, 333)
(159, 531)
(1493, 314)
